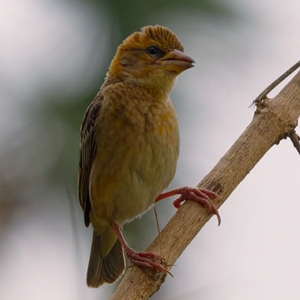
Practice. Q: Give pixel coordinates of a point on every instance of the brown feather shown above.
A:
(87, 154)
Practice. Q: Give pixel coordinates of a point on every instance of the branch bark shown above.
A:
(275, 120)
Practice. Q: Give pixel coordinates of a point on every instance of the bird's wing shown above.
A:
(87, 154)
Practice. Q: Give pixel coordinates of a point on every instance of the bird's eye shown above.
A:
(152, 50)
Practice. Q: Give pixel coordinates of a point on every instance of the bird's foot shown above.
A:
(145, 259)
(141, 259)
(201, 196)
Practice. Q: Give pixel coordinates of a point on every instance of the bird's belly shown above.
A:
(127, 182)
(150, 174)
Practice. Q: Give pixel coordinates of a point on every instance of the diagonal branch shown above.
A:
(275, 120)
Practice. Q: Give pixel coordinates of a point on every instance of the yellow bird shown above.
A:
(129, 148)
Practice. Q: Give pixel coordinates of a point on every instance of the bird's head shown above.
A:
(151, 58)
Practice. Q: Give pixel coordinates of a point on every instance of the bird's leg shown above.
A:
(142, 259)
(201, 196)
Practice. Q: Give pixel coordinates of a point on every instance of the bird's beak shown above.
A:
(176, 61)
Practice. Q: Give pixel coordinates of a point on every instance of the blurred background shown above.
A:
(53, 59)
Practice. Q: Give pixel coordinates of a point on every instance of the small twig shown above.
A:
(295, 140)
(259, 101)
(158, 227)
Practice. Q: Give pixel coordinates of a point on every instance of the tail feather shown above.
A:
(105, 269)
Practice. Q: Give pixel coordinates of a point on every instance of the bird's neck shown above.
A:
(157, 92)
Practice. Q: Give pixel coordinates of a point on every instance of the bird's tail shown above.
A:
(104, 269)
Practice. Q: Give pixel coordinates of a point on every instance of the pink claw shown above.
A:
(201, 196)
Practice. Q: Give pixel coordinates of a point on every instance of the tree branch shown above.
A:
(275, 120)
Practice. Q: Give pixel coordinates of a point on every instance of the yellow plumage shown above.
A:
(129, 143)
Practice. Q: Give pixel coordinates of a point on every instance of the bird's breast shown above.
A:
(159, 145)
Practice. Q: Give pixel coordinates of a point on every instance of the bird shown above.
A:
(129, 149)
